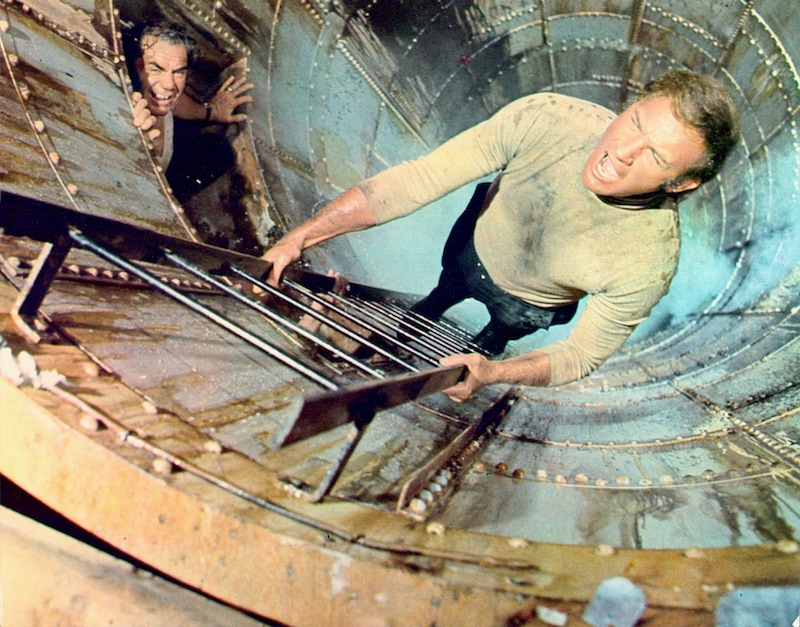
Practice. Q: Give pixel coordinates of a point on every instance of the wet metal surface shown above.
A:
(65, 139)
(687, 438)
(697, 476)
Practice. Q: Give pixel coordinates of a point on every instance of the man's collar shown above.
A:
(640, 201)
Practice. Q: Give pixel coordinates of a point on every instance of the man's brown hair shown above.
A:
(705, 104)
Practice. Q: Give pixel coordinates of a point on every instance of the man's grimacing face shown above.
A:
(642, 149)
(162, 71)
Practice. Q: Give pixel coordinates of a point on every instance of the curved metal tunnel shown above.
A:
(346, 89)
(690, 436)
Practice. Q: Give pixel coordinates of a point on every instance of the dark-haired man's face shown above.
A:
(643, 149)
(162, 71)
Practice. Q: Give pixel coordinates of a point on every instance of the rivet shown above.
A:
(435, 528)
(786, 546)
(72, 189)
(39, 126)
(149, 408)
(162, 466)
(418, 506)
(694, 553)
(90, 423)
(212, 446)
(91, 369)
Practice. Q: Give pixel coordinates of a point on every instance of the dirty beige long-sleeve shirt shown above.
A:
(545, 238)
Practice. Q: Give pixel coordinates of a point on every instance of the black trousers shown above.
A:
(463, 276)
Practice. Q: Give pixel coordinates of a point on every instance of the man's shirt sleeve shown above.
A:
(605, 324)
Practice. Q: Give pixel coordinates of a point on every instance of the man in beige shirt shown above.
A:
(584, 205)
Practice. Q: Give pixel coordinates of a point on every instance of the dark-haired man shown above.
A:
(584, 205)
(161, 64)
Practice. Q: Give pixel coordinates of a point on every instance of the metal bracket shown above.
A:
(357, 405)
(41, 276)
(354, 435)
(329, 410)
(452, 459)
